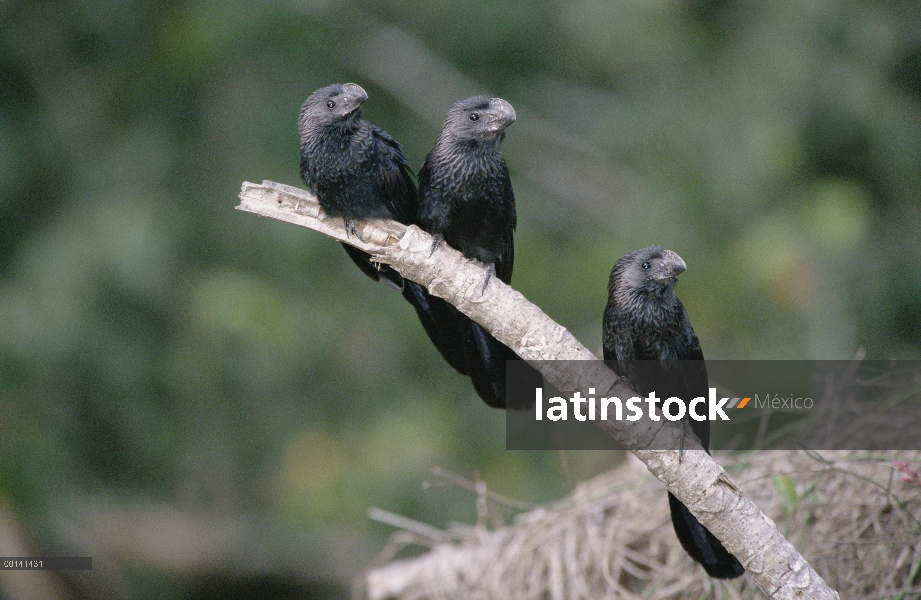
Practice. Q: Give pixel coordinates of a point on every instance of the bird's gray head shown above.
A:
(332, 105)
(649, 270)
(478, 118)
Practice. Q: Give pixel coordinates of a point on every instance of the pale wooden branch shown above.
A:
(697, 480)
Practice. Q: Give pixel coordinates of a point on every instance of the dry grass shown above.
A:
(849, 513)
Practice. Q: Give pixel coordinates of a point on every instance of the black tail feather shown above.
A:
(486, 356)
(490, 363)
(701, 544)
(442, 322)
(465, 345)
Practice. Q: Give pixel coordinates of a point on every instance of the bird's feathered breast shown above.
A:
(645, 321)
(466, 196)
(326, 154)
(358, 171)
(643, 317)
(466, 168)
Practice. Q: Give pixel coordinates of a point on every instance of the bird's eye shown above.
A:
(646, 265)
(474, 116)
(330, 104)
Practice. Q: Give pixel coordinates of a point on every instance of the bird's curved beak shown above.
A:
(501, 114)
(672, 265)
(353, 95)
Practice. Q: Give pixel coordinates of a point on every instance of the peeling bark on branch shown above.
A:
(698, 481)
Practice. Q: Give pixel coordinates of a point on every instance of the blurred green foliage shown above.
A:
(154, 342)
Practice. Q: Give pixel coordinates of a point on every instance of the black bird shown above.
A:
(645, 321)
(356, 170)
(466, 200)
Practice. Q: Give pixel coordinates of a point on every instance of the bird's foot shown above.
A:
(437, 240)
(491, 270)
(352, 229)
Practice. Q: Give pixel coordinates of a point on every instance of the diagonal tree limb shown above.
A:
(697, 480)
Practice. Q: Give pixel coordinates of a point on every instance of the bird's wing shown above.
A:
(620, 349)
(394, 177)
(610, 351)
(694, 372)
(506, 260)
(617, 339)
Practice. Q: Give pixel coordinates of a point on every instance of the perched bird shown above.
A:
(466, 200)
(646, 332)
(356, 170)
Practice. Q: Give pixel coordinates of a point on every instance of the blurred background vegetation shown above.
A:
(187, 390)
